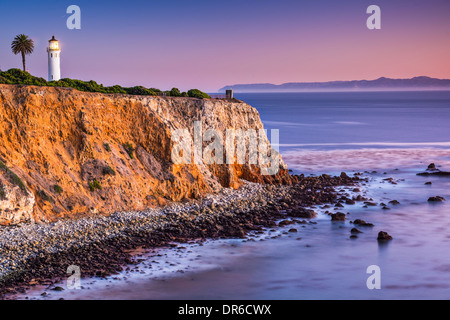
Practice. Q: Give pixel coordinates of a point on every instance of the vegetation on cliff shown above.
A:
(17, 76)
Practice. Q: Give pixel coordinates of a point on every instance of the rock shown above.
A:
(394, 202)
(431, 166)
(362, 223)
(285, 223)
(428, 183)
(436, 199)
(436, 172)
(292, 230)
(339, 216)
(344, 175)
(382, 235)
(353, 236)
(300, 212)
(350, 201)
(355, 230)
(368, 203)
(58, 289)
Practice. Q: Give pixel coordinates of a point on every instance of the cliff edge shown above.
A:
(66, 153)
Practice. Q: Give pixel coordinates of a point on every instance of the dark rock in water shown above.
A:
(58, 289)
(431, 166)
(292, 230)
(360, 198)
(339, 205)
(300, 212)
(285, 223)
(428, 183)
(356, 190)
(436, 199)
(386, 208)
(354, 230)
(368, 203)
(350, 201)
(353, 236)
(362, 223)
(383, 236)
(344, 175)
(339, 216)
(436, 172)
(394, 202)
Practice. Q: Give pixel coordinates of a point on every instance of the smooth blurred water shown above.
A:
(354, 117)
(395, 133)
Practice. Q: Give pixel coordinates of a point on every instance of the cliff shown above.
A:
(66, 153)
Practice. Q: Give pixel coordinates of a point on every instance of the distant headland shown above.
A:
(380, 84)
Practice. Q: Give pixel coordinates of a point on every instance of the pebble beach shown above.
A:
(41, 253)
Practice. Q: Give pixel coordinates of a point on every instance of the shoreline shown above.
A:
(100, 246)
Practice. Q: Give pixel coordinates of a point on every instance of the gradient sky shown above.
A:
(208, 44)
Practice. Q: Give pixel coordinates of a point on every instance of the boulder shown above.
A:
(436, 199)
(362, 223)
(300, 212)
(382, 235)
(339, 216)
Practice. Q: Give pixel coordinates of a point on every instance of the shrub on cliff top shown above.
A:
(139, 90)
(175, 92)
(17, 76)
(195, 93)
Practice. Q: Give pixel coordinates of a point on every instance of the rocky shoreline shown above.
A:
(100, 246)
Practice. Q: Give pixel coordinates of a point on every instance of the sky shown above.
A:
(208, 44)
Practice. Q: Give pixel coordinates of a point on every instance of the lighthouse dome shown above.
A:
(53, 44)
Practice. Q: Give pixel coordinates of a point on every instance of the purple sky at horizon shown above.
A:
(210, 44)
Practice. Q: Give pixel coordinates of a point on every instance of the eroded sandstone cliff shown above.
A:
(66, 153)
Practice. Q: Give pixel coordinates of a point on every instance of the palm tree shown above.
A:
(22, 44)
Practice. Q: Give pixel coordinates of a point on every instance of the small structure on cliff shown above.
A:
(229, 94)
(54, 52)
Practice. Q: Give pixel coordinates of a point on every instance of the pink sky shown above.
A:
(207, 44)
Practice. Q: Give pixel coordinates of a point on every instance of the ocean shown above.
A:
(388, 137)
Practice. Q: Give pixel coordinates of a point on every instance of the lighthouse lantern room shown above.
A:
(54, 51)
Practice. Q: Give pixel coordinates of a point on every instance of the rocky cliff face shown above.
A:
(66, 153)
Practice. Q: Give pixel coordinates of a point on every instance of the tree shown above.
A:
(23, 45)
(195, 93)
(175, 92)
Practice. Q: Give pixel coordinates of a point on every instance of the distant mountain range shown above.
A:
(416, 83)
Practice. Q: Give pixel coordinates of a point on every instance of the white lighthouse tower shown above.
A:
(54, 52)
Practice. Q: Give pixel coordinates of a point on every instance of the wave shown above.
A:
(392, 144)
(365, 159)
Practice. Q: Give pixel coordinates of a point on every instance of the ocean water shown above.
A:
(382, 135)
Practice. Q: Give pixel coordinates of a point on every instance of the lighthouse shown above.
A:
(54, 52)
